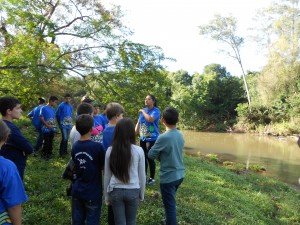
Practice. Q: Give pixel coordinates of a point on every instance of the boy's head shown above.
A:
(170, 115)
(4, 132)
(10, 106)
(85, 108)
(96, 107)
(84, 124)
(86, 99)
(68, 98)
(53, 100)
(114, 109)
(42, 100)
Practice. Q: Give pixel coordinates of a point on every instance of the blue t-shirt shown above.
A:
(64, 115)
(35, 114)
(88, 157)
(104, 120)
(49, 116)
(12, 191)
(149, 131)
(108, 135)
(17, 147)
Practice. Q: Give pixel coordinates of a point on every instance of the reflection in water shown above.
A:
(281, 157)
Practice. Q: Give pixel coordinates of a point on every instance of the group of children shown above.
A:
(117, 154)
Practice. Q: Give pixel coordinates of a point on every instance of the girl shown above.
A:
(124, 174)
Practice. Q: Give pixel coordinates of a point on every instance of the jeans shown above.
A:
(63, 148)
(146, 147)
(125, 204)
(39, 141)
(86, 212)
(168, 194)
(47, 144)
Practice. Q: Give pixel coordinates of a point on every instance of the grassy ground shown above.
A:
(210, 194)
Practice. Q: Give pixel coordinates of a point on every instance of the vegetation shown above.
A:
(81, 47)
(210, 194)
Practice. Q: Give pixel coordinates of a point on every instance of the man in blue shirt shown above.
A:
(47, 117)
(64, 119)
(35, 119)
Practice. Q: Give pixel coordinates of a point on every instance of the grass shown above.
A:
(209, 194)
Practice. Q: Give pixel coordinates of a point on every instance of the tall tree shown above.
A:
(41, 42)
(223, 29)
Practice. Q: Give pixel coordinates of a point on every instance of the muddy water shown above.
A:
(280, 156)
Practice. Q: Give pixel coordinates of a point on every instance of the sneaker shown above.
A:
(151, 181)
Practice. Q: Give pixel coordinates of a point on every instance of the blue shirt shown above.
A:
(35, 115)
(48, 113)
(169, 148)
(17, 147)
(64, 115)
(149, 131)
(88, 157)
(11, 186)
(108, 135)
(104, 120)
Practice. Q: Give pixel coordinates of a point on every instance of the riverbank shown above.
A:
(210, 194)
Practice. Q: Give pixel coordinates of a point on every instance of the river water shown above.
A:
(280, 156)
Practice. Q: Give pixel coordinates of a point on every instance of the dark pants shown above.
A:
(47, 144)
(110, 216)
(168, 195)
(63, 148)
(86, 212)
(146, 147)
(39, 141)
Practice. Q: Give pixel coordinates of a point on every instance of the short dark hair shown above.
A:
(85, 108)
(53, 98)
(84, 123)
(114, 109)
(67, 95)
(7, 103)
(4, 131)
(170, 115)
(42, 100)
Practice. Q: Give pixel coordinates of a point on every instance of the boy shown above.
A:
(88, 157)
(83, 108)
(64, 119)
(34, 115)
(17, 147)
(114, 112)
(47, 117)
(168, 149)
(11, 186)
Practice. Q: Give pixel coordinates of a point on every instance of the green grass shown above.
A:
(209, 194)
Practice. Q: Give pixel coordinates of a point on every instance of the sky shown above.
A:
(174, 26)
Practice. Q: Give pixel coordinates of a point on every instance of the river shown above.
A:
(280, 156)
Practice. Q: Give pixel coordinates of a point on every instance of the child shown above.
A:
(114, 113)
(34, 115)
(64, 119)
(47, 117)
(168, 149)
(88, 157)
(124, 174)
(12, 192)
(83, 108)
(17, 147)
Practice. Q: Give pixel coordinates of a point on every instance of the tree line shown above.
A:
(80, 47)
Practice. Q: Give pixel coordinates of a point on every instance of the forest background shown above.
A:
(78, 46)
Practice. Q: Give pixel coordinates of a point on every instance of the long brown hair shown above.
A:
(120, 157)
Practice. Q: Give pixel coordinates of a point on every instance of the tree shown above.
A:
(223, 29)
(43, 42)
